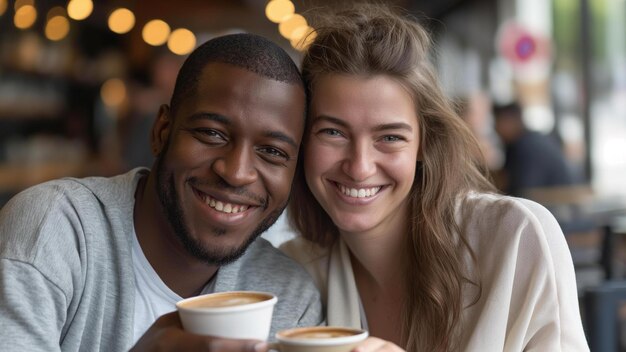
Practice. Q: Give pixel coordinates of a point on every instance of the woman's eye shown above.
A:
(392, 138)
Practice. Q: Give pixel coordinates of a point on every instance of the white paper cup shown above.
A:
(234, 314)
(319, 339)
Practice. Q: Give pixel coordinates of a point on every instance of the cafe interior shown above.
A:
(81, 82)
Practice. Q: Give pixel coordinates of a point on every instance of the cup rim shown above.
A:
(360, 335)
(180, 305)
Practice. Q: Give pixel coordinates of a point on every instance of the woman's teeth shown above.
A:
(359, 192)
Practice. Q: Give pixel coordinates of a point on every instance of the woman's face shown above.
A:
(362, 149)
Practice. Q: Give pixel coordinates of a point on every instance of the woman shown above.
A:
(404, 233)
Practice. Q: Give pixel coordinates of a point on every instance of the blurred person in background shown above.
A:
(532, 159)
(89, 264)
(401, 230)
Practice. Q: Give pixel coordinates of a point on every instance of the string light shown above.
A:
(155, 32)
(182, 41)
(121, 21)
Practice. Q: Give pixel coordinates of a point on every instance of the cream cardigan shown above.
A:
(529, 300)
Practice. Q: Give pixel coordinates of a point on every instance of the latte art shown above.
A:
(227, 299)
(322, 334)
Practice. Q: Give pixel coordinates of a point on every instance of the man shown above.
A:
(89, 264)
(532, 159)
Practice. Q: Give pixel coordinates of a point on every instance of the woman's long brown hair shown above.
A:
(373, 39)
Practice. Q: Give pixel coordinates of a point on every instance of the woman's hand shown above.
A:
(374, 344)
(167, 334)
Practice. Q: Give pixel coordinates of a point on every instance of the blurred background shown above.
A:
(542, 84)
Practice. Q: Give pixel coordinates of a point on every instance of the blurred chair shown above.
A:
(597, 239)
(602, 307)
(586, 235)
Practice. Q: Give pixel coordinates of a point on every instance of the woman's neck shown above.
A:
(378, 261)
(379, 255)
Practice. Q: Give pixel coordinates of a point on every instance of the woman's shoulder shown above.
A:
(490, 219)
(495, 206)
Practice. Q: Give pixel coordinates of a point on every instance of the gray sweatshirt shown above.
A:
(66, 271)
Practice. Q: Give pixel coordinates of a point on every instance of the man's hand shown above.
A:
(167, 334)
(374, 344)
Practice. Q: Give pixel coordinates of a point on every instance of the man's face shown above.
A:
(227, 158)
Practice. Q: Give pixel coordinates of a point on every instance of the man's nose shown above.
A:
(236, 166)
(360, 164)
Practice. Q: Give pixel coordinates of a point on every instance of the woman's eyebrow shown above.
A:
(330, 119)
(393, 126)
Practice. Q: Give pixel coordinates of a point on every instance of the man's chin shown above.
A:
(218, 248)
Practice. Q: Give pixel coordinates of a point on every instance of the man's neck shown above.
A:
(179, 270)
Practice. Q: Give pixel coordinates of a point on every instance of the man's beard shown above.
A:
(173, 211)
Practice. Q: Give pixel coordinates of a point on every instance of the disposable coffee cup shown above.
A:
(319, 339)
(234, 314)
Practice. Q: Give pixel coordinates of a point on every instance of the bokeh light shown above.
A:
(56, 11)
(279, 10)
(182, 41)
(20, 3)
(302, 37)
(3, 6)
(155, 32)
(57, 28)
(288, 26)
(79, 9)
(25, 17)
(113, 92)
(121, 21)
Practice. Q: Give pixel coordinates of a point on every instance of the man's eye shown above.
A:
(209, 133)
(274, 152)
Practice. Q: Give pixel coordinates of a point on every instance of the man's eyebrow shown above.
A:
(282, 137)
(210, 116)
(226, 121)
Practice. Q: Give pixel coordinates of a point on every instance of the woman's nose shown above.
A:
(360, 163)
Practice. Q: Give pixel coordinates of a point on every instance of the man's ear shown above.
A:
(161, 130)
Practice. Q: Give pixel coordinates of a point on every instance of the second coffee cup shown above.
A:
(319, 339)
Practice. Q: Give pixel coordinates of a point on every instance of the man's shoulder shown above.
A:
(265, 256)
(264, 267)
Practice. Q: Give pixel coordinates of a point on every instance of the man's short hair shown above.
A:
(248, 51)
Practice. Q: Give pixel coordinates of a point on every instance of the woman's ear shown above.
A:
(161, 130)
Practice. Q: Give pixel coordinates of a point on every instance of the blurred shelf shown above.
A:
(14, 178)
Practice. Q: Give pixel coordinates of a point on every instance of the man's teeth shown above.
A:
(228, 208)
(359, 192)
